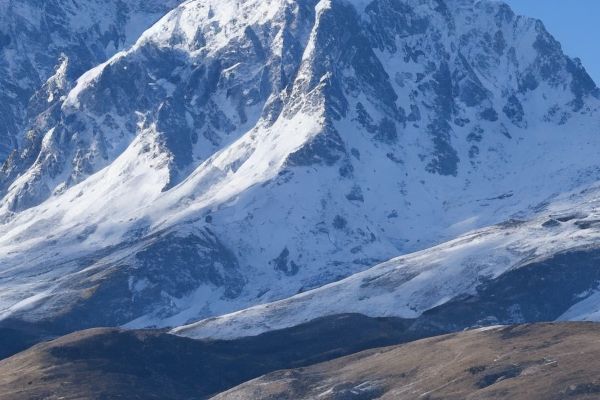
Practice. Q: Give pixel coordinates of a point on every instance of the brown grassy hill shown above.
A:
(117, 364)
(529, 362)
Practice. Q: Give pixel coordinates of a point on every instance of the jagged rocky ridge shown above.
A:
(44, 47)
(275, 146)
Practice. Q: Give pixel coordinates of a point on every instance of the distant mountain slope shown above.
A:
(519, 271)
(530, 362)
(244, 151)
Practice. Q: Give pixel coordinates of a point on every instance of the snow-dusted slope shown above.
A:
(46, 45)
(553, 257)
(243, 151)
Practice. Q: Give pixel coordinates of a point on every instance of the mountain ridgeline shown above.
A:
(241, 152)
(45, 47)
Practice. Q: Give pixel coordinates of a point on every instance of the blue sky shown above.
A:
(574, 23)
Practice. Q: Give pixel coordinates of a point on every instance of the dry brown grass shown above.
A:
(543, 361)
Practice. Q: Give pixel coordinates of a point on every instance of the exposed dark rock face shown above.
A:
(538, 291)
(165, 267)
(191, 259)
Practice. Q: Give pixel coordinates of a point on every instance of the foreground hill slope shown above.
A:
(547, 361)
(529, 362)
(112, 363)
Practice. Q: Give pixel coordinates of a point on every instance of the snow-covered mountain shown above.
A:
(542, 269)
(241, 152)
(46, 45)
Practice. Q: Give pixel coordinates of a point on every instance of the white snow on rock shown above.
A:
(409, 285)
(241, 152)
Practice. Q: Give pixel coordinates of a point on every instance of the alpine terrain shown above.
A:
(227, 170)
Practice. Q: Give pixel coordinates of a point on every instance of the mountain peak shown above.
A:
(277, 146)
